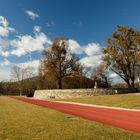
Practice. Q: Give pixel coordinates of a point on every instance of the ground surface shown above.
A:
(124, 100)
(129, 120)
(24, 121)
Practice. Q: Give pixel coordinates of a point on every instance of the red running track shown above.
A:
(129, 120)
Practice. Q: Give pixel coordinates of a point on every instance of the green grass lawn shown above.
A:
(123, 100)
(24, 121)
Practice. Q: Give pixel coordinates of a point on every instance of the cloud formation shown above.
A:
(20, 46)
(92, 53)
(27, 44)
(92, 49)
(4, 73)
(32, 15)
(74, 47)
(34, 64)
(113, 75)
(37, 29)
(4, 27)
(4, 53)
(6, 62)
(5, 30)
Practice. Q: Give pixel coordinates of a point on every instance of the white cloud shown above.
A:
(75, 47)
(27, 44)
(93, 56)
(4, 53)
(3, 31)
(5, 63)
(115, 78)
(91, 61)
(22, 45)
(34, 64)
(3, 21)
(92, 53)
(4, 42)
(113, 75)
(4, 28)
(37, 29)
(32, 15)
(4, 73)
(92, 49)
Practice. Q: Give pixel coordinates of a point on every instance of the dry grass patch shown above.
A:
(24, 121)
(123, 100)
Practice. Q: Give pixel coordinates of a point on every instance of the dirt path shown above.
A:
(126, 119)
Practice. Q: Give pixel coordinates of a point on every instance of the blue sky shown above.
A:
(29, 26)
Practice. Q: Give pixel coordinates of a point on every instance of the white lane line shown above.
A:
(99, 106)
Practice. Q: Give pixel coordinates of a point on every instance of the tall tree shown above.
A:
(58, 62)
(120, 53)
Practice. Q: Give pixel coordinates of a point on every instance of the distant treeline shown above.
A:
(29, 86)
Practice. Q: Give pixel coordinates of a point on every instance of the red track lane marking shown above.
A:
(129, 120)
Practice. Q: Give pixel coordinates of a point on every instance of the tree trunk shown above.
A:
(130, 85)
(106, 82)
(20, 91)
(133, 84)
(60, 78)
(60, 83)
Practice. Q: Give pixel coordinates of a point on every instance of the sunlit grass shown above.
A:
(124, 100)
(24, 121)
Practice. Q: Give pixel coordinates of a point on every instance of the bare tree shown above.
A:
(100, 76)
(19, 74)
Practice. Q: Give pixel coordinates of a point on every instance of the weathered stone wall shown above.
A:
(70, 93)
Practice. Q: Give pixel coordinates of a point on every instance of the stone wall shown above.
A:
(70, 93)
